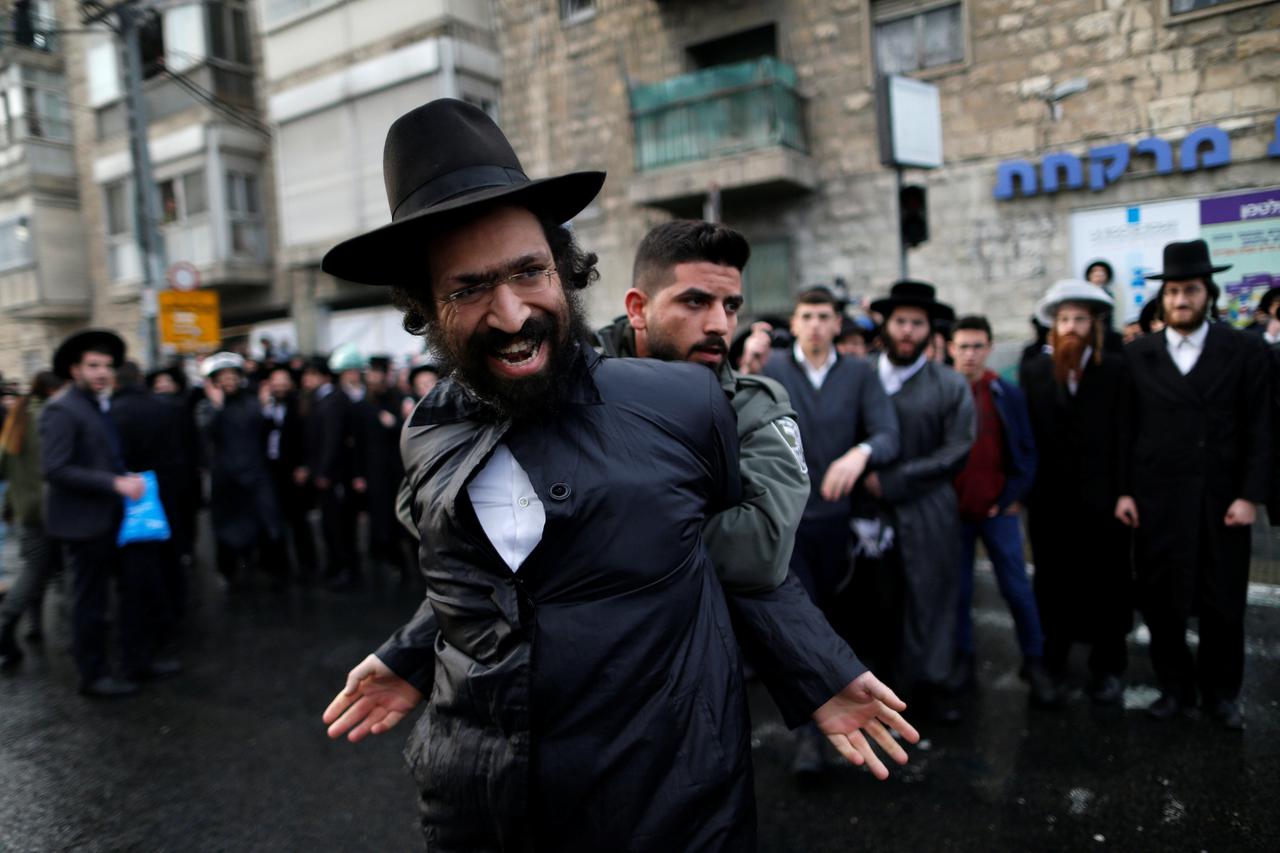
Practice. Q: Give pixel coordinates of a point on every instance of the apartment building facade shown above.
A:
(210, 152)
(44, 285)
(768, 112)
(337, 74)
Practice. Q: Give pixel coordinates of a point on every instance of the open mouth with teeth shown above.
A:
(521, 356)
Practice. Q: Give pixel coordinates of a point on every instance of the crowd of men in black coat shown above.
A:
(1138, 464)
(1153, 453)
(272, 442)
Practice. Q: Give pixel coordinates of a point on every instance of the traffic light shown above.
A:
(913, 214)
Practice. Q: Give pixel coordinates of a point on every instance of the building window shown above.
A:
(45, 105)
(745, 46)
(151, 40)
(15, 243)
(182, 197)
(1177, 7)
(244, 214)
(228, 31)
(116, 202)
(32, 25)
(275, 11)
(766, 282)
(572, 11)
(914, 36)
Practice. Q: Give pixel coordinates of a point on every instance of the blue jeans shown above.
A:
(1002, 538)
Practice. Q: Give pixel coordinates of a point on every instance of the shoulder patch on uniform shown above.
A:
(790, 432)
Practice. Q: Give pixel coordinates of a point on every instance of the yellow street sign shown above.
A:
(189, 320)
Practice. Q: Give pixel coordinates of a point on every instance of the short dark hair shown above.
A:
(577, 271)
(683, 241)
(818, 295)
(975, 323)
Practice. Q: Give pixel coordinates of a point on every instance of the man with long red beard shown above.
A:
(1200, 463)
(1076, 395)
(937, 424)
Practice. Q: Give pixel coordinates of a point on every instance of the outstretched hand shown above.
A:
(372, 702)
(866, 707)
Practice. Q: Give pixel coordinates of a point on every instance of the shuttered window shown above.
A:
(913, 35)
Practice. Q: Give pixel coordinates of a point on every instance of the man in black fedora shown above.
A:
(584, 689)
(916, 495)
(84, 469)
(1198, 465)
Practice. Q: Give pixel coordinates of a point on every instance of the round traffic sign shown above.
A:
(183, 276)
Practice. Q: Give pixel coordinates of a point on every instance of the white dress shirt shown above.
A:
(1185, 349)
(893, 377)
(508, 508)
(1073, 378)
(817, 375)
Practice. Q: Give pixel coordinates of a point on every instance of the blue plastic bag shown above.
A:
(144, 519)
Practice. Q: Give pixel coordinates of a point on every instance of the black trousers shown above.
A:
(821, 560)
(338, 513)
(1221, 587)
(93, 563)
(295, 502)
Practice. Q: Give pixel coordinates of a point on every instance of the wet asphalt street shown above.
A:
(231, 755)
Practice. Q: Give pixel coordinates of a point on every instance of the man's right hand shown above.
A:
(374, 700)
(130, 486)
(1127, 511)
(843, 474)
(214, 394)
(755, 349)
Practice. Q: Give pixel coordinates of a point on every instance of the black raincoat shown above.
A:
(593, 700)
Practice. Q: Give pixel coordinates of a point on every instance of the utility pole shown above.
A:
(129, 16)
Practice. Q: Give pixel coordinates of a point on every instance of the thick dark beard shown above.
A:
(891, 350)
(539, 397)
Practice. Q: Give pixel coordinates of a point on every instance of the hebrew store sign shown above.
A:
(1204, 148)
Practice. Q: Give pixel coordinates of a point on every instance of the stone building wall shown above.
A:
(565, 106)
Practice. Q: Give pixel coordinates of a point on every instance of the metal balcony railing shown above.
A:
(716, 112)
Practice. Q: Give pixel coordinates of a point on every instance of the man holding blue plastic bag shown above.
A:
(84, 468)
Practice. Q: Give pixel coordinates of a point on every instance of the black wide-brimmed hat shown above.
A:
(1099, 262)
(173, 371)
(914, 294)
(1187, 260)
(95, 340)
(440, 163)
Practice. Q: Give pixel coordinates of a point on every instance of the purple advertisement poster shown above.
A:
(1243, 230)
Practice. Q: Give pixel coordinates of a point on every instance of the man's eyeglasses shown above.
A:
(526, 281)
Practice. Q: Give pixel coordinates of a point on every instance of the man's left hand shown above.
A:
(1241, 513)
(866, 707)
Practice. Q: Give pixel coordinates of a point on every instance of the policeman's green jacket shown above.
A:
(750, 543)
